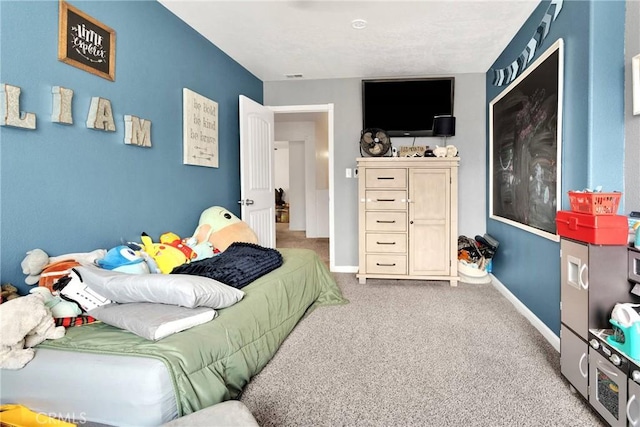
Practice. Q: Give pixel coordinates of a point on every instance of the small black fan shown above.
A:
(374, 142)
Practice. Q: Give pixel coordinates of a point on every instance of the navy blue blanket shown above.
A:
(240, 264)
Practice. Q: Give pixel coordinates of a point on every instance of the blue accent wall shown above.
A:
(592, 139)
(72, 189)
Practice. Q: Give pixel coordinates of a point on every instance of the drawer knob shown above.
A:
(615, 359)
(386, 243)
(385, 265)
(386, 200)
(379, 221)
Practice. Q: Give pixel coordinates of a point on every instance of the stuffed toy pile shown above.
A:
(217, 230)
(26, 322)
(45, 271)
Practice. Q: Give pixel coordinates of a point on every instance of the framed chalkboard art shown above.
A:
(525, 133)
(86, 43)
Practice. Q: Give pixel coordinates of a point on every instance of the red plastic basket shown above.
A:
(595, 203)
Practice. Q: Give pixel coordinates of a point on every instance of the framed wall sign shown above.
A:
(525, 132)
(200, 129)
(86, 43)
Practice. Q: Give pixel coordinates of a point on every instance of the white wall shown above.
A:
(322, 153)
(345, 94)
(297, 187)
(281, 166)
(632, 123)
(316, 203)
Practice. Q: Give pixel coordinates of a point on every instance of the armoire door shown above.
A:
(429, 221)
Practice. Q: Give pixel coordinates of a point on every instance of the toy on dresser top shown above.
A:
(448, 151)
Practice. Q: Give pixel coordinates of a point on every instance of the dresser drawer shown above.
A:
(385, 178)
(386, 242)
(386, 221)
(386, 200)
(386, 264)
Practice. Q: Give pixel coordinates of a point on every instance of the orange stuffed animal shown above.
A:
(54, 271)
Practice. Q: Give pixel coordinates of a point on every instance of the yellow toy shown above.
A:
(166, 256)
(172, 239)
(221, 228)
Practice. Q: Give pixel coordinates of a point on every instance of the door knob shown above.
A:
(246, 202)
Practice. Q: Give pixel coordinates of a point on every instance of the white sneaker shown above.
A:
(86, 297)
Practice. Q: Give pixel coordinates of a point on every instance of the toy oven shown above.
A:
(608, 371)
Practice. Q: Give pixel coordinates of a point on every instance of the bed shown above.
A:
(102, 374)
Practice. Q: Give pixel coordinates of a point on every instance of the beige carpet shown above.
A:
(286, 238)
(414, 353)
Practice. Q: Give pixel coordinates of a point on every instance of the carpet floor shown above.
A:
(415, 353)
(286, 238)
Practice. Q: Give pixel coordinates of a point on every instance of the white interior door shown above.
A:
(257, 192)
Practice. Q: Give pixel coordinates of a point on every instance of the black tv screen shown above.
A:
(406, 107)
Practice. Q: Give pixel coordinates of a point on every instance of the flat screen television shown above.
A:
(406, 107)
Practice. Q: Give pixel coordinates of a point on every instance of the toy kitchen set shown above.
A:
(600, 302)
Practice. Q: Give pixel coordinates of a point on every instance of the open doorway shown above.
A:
(291, 195)
(290, 185)
(304, 140)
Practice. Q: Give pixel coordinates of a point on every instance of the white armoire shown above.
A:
(408, 218)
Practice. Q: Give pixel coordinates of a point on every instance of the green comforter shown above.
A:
(211, 363)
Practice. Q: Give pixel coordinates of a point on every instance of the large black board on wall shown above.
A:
(525, 147)
(85, 42)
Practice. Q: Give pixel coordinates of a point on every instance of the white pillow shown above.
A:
(152, 321)
(176, 289)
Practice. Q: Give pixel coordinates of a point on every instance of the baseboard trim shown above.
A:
(549, 335)
(344, 269)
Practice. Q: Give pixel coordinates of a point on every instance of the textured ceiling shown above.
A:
(315, 38)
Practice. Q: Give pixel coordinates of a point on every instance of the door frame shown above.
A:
(319, 108)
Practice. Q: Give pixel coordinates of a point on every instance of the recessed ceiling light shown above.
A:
(358, 24)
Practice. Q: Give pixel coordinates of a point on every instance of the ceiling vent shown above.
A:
(294, 76)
